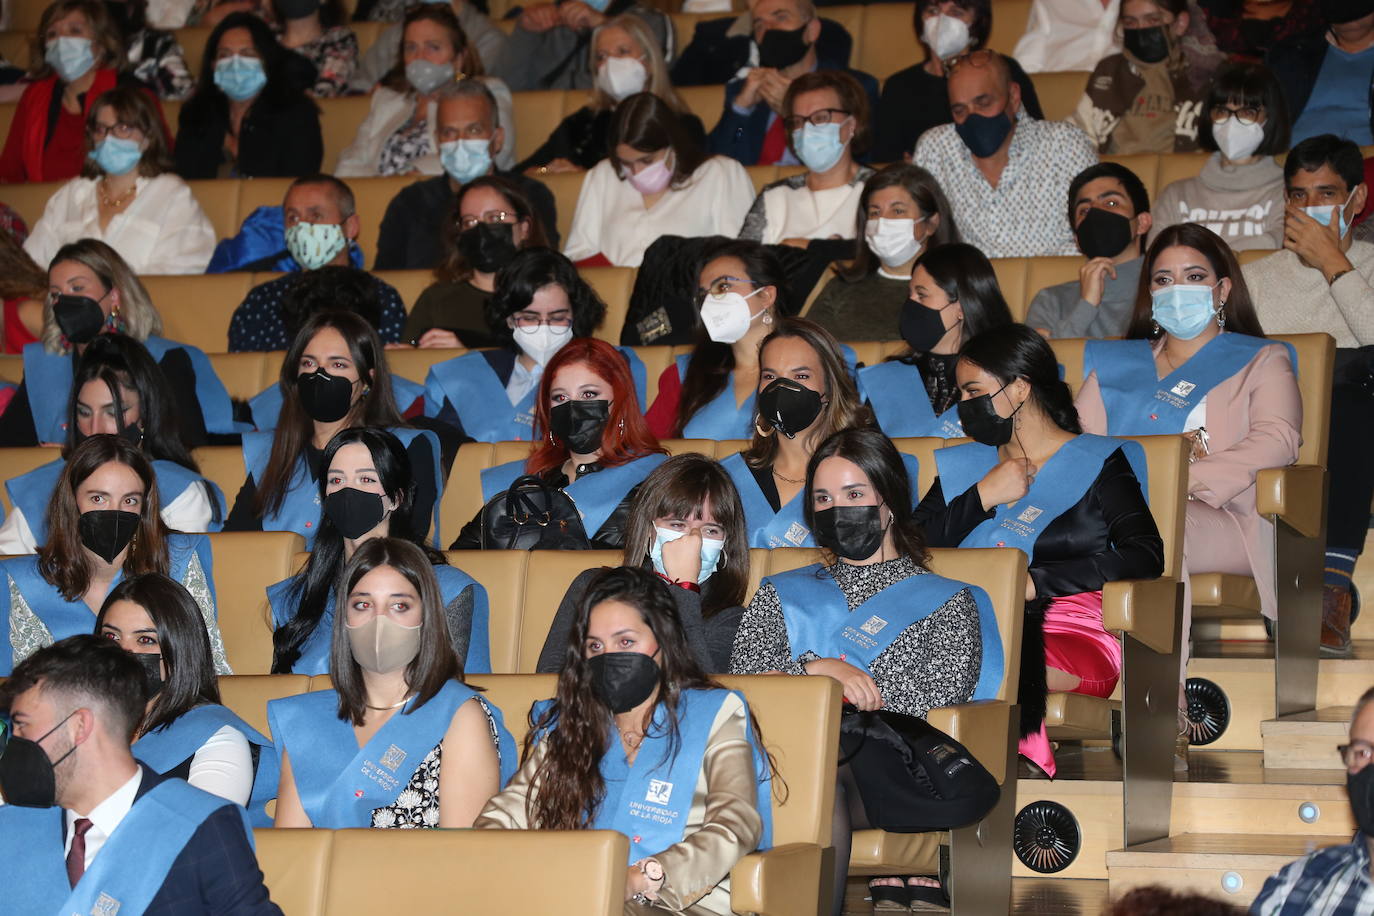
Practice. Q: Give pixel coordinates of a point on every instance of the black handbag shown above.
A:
(531, 515)
(911, 776)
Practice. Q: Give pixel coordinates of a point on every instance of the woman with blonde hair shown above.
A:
(625, 59)
(91, 291)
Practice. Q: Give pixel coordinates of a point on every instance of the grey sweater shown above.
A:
(1241, 203)
(1292, 298)
(1064, 312)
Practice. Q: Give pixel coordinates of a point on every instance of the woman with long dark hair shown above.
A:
(628, 669)
(186, 732)
(104, 523)
(118, 390)
(366, 492)
(687, 525)
(399, 716)
(940, 645)
(1073, 503)
(593, 442)
(333, 377)
(953, 296)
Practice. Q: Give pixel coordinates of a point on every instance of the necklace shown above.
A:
(119, 202)
(392, 706)
(787, 479)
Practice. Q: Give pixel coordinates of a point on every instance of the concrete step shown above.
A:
(1306, 740)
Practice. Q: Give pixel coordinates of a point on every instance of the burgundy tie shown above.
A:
(76, 859)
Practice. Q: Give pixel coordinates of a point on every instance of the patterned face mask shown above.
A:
(314, 245)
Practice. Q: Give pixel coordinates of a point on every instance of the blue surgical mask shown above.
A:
(116, 156)
(240, 77)
(465, 160)
(71, 56)
(314, 245)
(426, 76)
(711, 550)
(1183, 310)
(819, 146)
(1323, 215)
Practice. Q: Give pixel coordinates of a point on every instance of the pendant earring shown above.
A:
(1154, 328)
(1221, 315)
(767, 318)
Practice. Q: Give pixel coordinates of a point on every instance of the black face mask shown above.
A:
(623, 680)
(326, 398)
(782, 47)
(106, 532)
(1103, 234)
(1360, 787)
(26, 774)
(297, 9)
(1149, 46)
(852, 532)
(983, 134)
(79, 318)
(981, 422)
(354, 512)
(580, 425)
(488, 246)
(788, 407)
(921, 327)
(152, 670)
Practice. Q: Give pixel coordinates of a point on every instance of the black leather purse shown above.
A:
(532, 515)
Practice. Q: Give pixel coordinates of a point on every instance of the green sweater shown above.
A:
(865, 309)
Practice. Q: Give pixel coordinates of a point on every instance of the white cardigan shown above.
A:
(391, 110)
(164, 230)
(611, 219)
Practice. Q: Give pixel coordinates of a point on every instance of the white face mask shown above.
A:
(1237, 140)
(892, 240)
(621, 77)
(945, 35)
(727, 318)
(542, 342)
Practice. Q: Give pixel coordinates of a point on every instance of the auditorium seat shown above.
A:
(1011, 279)
(248, 694)
(503, 574)
(1144, 165)
(414, 363)
(196, 309)
(222, 465)
(1178, 166)
(409, 283)
(537, 113)
(1059, 92)
(706, 102)
(219, 198)
(544, 591)
(1044, 272)
(16, 461)
(192, 39)
(295, 868)
(12, 368)
(243, 374)
(246, 563)
(613, 285)
(339, 121)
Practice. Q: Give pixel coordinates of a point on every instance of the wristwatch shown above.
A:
(654, 872)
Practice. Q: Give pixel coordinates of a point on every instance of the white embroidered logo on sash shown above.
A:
(1183, 389)
(873, 625)
(393, 758)
(105, 905)
(796, 534)
(1030, 514)
(659, 792)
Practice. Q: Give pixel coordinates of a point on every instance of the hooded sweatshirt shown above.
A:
(1241, 203)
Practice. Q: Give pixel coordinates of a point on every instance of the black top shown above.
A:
(713, 56)
(1107, 535)
(583, 138)
(279, 137)
(610, 536)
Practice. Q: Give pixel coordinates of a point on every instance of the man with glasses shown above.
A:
(1006, 174)
(471, 138)
(1335, 881)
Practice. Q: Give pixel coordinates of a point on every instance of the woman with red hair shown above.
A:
(593, 442)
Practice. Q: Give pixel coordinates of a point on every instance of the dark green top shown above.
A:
(866, 309)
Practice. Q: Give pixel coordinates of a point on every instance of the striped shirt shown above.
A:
(1329, 882)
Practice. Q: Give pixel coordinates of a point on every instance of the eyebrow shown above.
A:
(359, 471)
(1165, 270)
(325, 359)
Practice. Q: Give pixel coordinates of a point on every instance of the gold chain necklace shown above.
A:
(392, 706)
(115, 204)
(787, 479)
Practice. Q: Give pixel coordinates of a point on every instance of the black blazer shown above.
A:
(279, 137)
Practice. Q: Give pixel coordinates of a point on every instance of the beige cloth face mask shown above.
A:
(382, 645)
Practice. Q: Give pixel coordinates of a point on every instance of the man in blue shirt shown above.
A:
(1326, 77)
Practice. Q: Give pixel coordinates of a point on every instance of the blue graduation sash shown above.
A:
(897, 394)
(48, 380)
(339, 784)
(1057, 487)
(315, 651)
(721, 417)
(128, 871)
(266, 405)
(596, 495)
(166, 748)
(819, 620)
(1139, 403)
(470, 386)
(215, 405)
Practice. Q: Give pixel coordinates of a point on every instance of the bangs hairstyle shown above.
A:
(311, 589)
(531, 270)
(577, 726)
(922, 187)
(464, 52)
(106, 43)
(712, 362)
(874, 454)
(1239, 309)
(843, 409)
(136, 308)
(133, 107)
(965, 275)
(433, 666)
(659, 83)
(454, 268)
(1016, 351)
(63, 561)
(648, 124)
(626, 436)
(182, 641)
(852, 99)
(978, 32)
(87, 670)
(1247, 85)
(679, 488)
(295, 429)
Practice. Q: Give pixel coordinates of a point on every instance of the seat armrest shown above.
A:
(1144, 608)
(980, 726)
(1295, 494)
(780, 882)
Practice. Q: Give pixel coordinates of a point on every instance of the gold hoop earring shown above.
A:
(763, 433)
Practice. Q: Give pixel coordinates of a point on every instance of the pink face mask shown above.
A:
(653, 178)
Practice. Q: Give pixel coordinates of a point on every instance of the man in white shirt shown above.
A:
(1005, 173)
(95, 830)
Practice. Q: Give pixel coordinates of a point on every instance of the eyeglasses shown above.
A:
(823, 116)
(1247, 115)
(722, 286)
(121, 130)
(972, 59)
(529, 321)
(491, 216)
(1355, 754)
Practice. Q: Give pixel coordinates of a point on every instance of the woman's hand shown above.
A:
(636, 882)
(797, 243)
(1006, 483)
(436, 338)
(578, 16)
(682, 557)
(857, 683)
(539, 17)
(553, 167)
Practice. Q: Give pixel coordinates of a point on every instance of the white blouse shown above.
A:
(611, 218)
(801, 213)
(163, 231)
(1068, 35)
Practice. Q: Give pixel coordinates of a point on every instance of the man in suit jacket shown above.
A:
(130, 839)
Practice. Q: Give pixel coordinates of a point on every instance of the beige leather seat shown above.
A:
(197, 309)
(547, 577)
(246, 563)
(503, 574)
(17, 461)
(1011, 279)
(242, 373)
(339, 121)
(414, 364)
(295, 868)
(613, 285)
(248, 694)
(537, 113)
(223, 466)
(12, 369)
(1059, 92)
